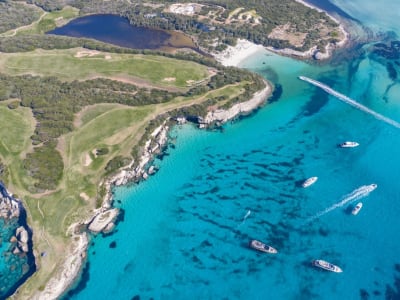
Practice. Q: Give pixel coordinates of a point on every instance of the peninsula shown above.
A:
(80, 116)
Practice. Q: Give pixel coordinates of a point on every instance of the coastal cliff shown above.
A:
(243, 108)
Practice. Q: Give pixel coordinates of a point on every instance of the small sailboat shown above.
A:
(357, 208)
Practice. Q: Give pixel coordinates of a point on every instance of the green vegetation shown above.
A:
(15, 14)
(226, 20)
(81, 64)
(51, 20)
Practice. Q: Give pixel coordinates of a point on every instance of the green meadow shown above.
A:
(80, 64)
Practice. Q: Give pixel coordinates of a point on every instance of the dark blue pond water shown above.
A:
(114, 30)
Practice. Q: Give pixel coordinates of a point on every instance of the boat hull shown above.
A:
(349, 145)
(319, 263)
(356, 209)
(260, 246)
(309, 181)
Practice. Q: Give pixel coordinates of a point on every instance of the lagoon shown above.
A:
(117, 30)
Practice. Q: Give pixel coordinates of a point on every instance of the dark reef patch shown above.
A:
(276, 94)
(364, 295)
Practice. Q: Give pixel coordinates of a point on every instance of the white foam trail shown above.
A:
(361, 192)
(247, 215)
(350, 101)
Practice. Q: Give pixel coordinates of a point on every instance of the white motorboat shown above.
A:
(357, 208)
(260, 246)
(309, 181)
(326, 266)
(349, 144)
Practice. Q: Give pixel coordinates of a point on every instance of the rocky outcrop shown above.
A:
(104, 218)
(23, 238)
(9, 206)
(103, 221)
(243, 108)
(137, 170)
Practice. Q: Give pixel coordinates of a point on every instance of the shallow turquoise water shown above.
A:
(184, 234)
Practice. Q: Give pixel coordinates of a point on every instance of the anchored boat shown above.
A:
(260, 246)
(349, 144)
(326, 266)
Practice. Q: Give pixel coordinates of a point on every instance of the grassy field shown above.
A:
(67, 65)
(51, 20)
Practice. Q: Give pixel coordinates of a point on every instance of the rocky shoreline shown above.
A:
(220, 116)
(12, 210)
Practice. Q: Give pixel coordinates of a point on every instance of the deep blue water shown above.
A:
(114, 30)
(184, 233)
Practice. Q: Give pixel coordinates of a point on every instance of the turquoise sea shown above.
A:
(184, 231)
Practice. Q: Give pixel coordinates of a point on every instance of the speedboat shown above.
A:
(326, 266)
(349, 144)
(357, 208)
(309, 181)
(260, 246)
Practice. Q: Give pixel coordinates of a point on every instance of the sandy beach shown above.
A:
(234, 55)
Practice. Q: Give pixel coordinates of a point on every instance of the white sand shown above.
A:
(234, 55)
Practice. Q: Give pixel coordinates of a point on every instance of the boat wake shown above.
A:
(350, 101)
(248, 213)
(361, 192)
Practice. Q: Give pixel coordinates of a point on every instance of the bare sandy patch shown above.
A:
(288, 32)
(169, 79)
(87, 160)
(86, 53)
(84, 196)
(188, 9)
(107, 56)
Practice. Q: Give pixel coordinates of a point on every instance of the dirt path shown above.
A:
(24, 27)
